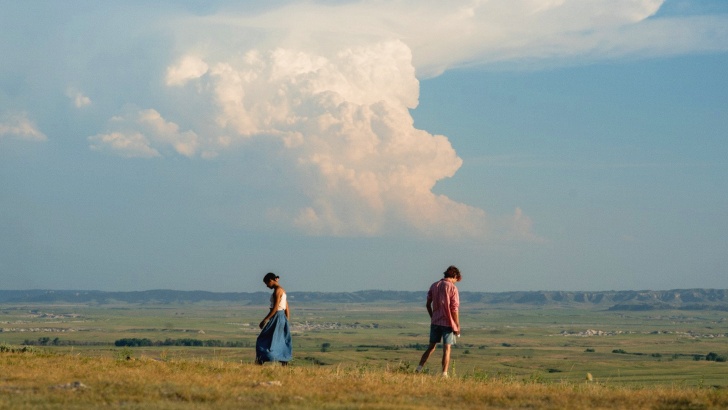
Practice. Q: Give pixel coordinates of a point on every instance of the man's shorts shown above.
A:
(442, 333)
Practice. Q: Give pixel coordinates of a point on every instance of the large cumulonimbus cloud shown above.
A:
(333, 84)
(344, 124)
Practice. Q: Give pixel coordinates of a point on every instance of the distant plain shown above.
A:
(549, 344)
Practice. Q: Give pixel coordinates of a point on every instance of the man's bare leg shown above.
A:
(445, 358)
(426, 355)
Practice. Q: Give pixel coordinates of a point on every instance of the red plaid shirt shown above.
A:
(445, 302)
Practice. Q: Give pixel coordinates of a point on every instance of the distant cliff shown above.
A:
(680, 299)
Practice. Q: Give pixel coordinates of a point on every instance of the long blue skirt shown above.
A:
(274, 342)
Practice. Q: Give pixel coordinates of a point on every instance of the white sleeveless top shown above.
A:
(282, 305)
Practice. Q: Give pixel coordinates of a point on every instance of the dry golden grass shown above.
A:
(40, 380)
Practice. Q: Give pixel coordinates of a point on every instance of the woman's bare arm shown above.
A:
(277, 295)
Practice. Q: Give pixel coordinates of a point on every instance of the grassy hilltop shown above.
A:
(38, 380)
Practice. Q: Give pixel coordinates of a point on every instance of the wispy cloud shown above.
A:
(19, 126)
(144, 133)
(458, 33)
(536, 161)
(130, 144)
(188, 68)
(79, 99)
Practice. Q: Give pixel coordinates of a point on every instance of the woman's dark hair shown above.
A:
(269, 276)
(452, 272)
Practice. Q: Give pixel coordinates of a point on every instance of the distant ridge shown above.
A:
(623, 300)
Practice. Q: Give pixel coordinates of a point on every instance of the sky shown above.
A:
(353, 145)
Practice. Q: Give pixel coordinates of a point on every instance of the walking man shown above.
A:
(443, 301)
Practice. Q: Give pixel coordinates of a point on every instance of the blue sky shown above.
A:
(537, 145)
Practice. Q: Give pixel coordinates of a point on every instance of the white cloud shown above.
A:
(130, 145)
(19, 126)
(168, 133)
(188, 68)
(79, 99)
(333, 83)
(347, 136)
(519, 227)
(143, 133)
(456, 33)
(556, 32)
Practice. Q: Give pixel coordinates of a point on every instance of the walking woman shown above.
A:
(274, 341)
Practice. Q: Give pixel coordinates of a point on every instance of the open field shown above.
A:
(533, 354)
(32, 380)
